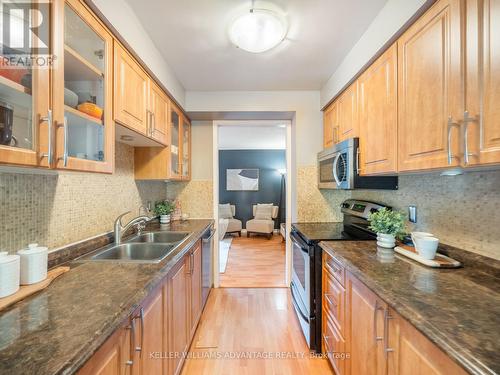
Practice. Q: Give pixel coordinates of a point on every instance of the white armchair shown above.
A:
(234, 225)
(262, 223)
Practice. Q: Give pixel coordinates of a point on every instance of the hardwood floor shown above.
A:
(255, 262)
(251, 322)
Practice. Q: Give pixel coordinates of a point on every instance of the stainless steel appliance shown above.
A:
(207, 281)
(338, 168)
(306, 264)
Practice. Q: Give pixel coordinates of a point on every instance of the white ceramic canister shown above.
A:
(9, 274)
(33, 264)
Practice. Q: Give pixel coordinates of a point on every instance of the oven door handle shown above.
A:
(300, 242)
(295, 303)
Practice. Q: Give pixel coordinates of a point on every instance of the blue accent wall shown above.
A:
(268, 162)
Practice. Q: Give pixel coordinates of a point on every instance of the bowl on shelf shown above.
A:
(91, 109)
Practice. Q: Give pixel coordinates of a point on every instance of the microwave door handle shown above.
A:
(335, 164)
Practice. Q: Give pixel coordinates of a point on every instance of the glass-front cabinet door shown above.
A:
(186, 149)
(175, 142)
(83, 91)
(25, 119)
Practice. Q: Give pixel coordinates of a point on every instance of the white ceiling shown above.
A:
(248, 137)
(192, 36)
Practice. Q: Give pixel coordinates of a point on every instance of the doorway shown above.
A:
(252, 202)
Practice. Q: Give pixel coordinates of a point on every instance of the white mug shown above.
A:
(415, 235)
(427, 246)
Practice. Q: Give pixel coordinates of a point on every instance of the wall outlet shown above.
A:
(412, 214)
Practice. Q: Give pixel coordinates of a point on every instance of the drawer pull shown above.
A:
(377, 308)
(329, 300)
(387, 317)
(334, 267)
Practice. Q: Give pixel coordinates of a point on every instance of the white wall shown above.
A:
(307, 123)
(121, 16)
(389, 20)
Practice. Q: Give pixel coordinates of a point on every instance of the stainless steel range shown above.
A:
(306, 263)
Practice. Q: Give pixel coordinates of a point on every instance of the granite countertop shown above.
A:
(58, 329)
(457, 309)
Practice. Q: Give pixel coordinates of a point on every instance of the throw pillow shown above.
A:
(225, 211)
(264, 211)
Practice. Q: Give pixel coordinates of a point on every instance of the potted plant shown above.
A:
(388, 225)
(163, 209)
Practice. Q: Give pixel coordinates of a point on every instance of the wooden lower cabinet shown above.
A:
(365, 329)
(178, 316)
(156, 337)
(150, 319)
(195, 300)
(112, 357)
(362, 335)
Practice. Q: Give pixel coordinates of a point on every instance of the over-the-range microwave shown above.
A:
(338, 168)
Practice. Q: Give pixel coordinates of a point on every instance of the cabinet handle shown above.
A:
(467, 120)
(141, 316)
(377, 308)
(130, 362)
(451, 124)
(358, 152)
(50, 152)
(387, 317)
(192, 262)
(65, 153)
(153, 123)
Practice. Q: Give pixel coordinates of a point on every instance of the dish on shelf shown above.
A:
(91, 109)
(70, 98)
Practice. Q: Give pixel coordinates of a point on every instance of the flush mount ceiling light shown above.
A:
(258, 31)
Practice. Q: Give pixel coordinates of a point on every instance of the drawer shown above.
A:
(334, 345)
(334, 300)
(334, 267)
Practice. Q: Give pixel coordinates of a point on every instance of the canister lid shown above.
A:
(32, 250)
(8, 259)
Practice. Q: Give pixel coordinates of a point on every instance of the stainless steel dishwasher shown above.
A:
(207, 262)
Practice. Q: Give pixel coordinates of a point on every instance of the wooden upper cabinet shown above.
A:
(348, 113)
(430, 89)
(82, 93)
(130, 92)
(330, 125)
(159, 111)
(175, 132)
(378, 115)
(482, 126)
(25, 125)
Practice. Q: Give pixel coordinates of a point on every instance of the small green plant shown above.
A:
(164, 207)
(387, 222)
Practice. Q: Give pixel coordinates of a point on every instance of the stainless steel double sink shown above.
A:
(151, 247)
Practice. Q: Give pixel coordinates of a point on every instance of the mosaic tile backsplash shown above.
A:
(195, 197)
(55, 210)
(462, 211)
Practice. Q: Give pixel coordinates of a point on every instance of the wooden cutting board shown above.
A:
(27, 290)
(440, 261)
